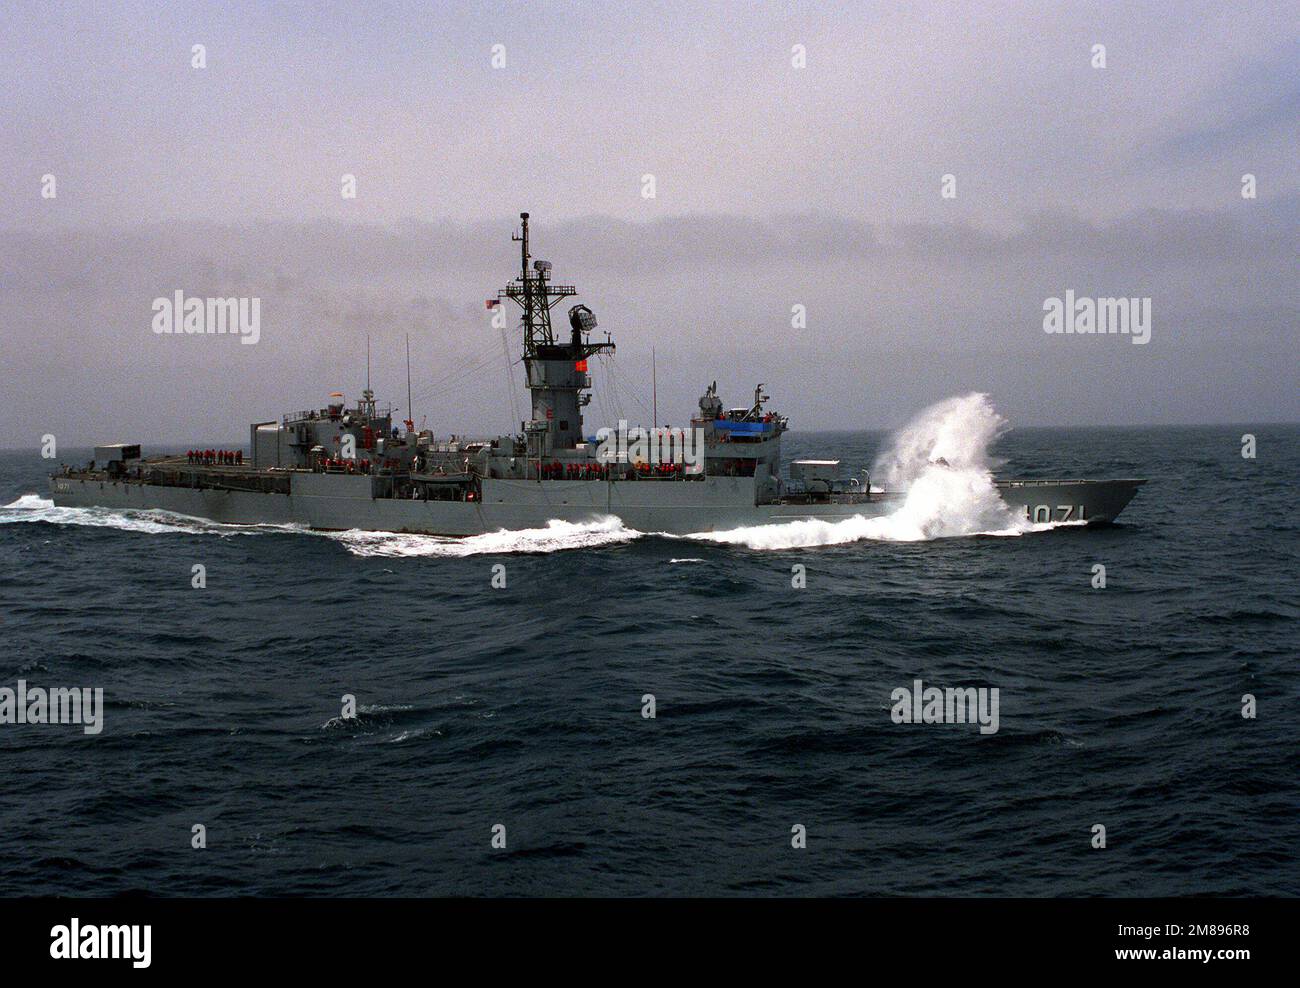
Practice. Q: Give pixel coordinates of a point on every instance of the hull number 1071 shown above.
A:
(1042, 513)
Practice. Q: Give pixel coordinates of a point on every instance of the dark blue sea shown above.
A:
(522, 706)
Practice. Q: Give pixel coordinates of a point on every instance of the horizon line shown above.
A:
(810, 432)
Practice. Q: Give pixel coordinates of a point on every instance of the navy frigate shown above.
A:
(350, 467)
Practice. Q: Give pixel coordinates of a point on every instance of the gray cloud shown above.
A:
(896, 317)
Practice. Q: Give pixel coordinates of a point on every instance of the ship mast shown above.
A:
(556, 370)
(535, 294)
(367, 403)
(410, 412)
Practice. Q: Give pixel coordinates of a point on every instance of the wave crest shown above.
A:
(557, 536)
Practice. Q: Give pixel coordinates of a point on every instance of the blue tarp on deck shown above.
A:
(752, 428)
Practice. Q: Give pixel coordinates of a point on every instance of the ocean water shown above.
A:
(522, 706)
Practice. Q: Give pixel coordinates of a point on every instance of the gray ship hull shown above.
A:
(341, 503)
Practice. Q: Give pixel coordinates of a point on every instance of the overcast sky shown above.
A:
(775, 186)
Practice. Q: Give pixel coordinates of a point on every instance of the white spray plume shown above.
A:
(956, 432)
(941, 459)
